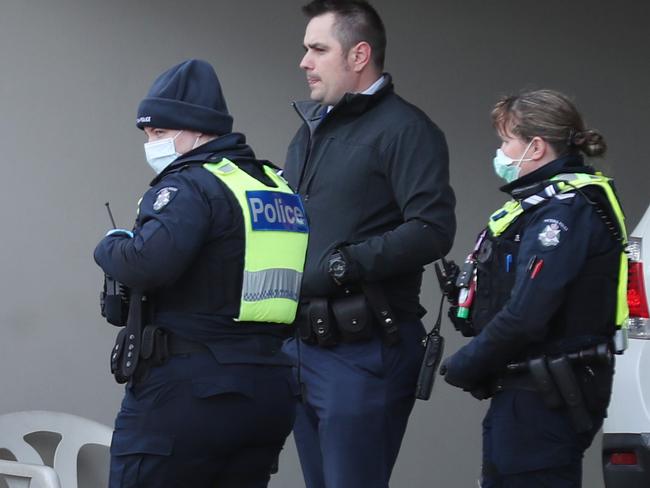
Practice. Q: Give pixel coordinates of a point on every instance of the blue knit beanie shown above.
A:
(187, 96)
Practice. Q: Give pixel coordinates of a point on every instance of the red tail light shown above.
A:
(623, 458)
(636, 297)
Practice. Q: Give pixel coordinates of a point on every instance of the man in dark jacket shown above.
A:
(212, 398)
(373, 173)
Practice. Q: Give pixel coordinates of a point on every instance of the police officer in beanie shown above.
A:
(544, 294)
(215, 259)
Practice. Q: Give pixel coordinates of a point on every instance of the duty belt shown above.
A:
(146, 349)
(553, 377)
(177, 346)
(328, 321)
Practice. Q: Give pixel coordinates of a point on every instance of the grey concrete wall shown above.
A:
(73, 71)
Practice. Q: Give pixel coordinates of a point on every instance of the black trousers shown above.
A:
(527, 445)
(193, 422)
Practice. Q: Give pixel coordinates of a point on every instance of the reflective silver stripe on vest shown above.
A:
(566, 177)
(271, 283)
(550, 190)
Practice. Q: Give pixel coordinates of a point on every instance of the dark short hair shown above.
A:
(356, 21)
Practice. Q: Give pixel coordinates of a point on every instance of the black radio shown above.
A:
(114, 302)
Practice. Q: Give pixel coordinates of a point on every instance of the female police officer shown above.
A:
(217, 250)
(545, 292)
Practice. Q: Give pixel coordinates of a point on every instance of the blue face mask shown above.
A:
(161, 153)
(507, 168)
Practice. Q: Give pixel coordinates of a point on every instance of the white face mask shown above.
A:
(507, 168)
(162, 153)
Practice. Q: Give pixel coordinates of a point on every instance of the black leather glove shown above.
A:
(480, 391)
(450, 371)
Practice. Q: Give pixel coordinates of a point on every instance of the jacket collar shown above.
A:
(534, 182)
(231, 146)
(313, 113)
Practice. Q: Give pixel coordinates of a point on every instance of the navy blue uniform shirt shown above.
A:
(562, 234)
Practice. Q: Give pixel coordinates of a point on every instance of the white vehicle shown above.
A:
(626, 439)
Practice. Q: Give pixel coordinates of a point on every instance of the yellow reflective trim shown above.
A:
(622, 307)
(506, 215)
(579, 180)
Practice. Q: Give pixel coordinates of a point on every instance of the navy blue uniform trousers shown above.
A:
(356, 402)
(527, 445)
(193, 422)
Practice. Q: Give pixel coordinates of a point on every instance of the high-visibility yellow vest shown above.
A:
(276, 234)
(563, 183)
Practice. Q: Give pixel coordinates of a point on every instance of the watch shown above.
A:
(337, 267)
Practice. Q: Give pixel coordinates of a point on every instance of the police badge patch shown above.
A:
(550, 236)
(163, 197)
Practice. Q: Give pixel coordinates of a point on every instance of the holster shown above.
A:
(554, 378)
(544, 382)
(569, 389)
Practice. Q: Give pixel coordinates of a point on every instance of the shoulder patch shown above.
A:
(163, 197)
(550, 235)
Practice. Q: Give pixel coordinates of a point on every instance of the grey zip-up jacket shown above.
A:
(374, 177)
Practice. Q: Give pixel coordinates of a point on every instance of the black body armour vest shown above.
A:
(587, 314)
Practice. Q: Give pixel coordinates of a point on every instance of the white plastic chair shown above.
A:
(28, 475)
(76, 432)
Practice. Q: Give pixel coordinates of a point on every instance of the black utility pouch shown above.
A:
(321, 323)
(303, 325)
(116, 356)
(382, 312)
(353, 318)
(154, 348)
(306, 333)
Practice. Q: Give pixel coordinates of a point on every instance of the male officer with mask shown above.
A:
(373, 173)
(217, 250)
